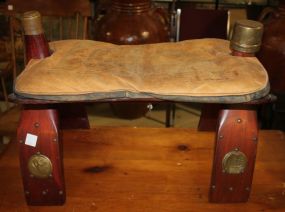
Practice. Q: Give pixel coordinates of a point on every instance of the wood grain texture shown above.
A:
(237, 129)
(9, 121)
(146, 169)
(42, 123)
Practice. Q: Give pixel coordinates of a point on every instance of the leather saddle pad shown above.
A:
(200, 70)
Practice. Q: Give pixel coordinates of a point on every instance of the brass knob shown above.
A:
(246, 36)
(32, 23)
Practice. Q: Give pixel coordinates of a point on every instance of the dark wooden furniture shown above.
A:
(54, 10)
(49, 8)
(237, 132)
(39, 131)
(212, 23)
(127, 169)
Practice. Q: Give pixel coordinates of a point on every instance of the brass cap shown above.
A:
(32, 23)
(246, 36)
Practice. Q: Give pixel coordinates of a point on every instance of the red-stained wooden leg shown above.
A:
(234, 157)
(41, 157)
(73, 116)
(209, 117)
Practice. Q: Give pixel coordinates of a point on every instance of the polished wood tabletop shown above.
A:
(147, 169)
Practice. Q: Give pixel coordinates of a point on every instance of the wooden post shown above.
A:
(209, 117)
(234, 157)
(73, 116)
(41, 159)
(245, 42)
(237, 131)
(12, 37)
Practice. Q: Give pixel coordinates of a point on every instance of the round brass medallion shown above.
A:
(40, 166)
(234, 162)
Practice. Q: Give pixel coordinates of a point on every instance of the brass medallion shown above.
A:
(40, 166)
(234, 162)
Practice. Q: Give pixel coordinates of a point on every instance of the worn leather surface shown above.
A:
(194, 69)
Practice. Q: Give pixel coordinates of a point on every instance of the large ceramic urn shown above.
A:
(272, 52)
(132, 22)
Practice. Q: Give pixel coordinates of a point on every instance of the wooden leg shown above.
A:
(41, 157)
(73, 116)
(209, 117)
(5, 92)
(170, 114)
(234, 157)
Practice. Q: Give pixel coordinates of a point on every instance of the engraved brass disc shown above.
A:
(234, 162)
(40, 166)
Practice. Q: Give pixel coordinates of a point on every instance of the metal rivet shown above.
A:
(44, 192)
(50, 175)
(254, 138)
(55, 140)
(27, 192)
(37, 125)
(236, 149)
(213, 187)
(239, 120)
(231, 188)
(20, 141)
(221, 136)
(60, 192)
(247, 188)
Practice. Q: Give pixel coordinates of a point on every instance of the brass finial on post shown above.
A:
(32, 23)
(246, 36)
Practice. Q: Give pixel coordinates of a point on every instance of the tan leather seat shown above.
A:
(199, 70)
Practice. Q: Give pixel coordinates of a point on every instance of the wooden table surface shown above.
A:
(147, 169)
